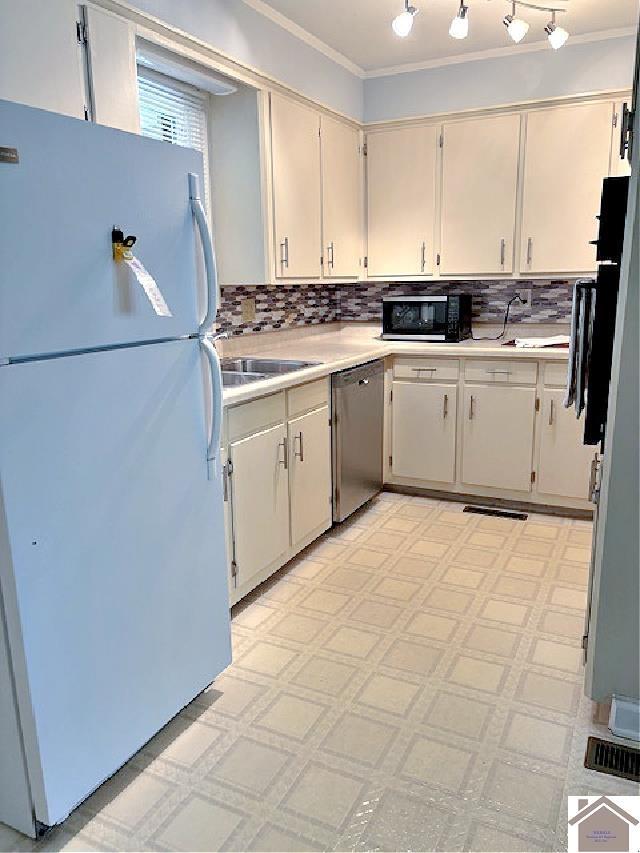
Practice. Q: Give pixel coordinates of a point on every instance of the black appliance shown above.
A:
(427, 318)
(599, 346)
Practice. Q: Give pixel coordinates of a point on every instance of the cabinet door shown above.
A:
(341, 199)
(401, 168)
(497, 437)
(112, 66)
(566, 159)
(310, 473)
(259, 500)
(479, 180)
(40, 59)
(565, 462)
(295, 143)
(423, 431)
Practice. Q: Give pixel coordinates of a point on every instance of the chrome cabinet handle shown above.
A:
(330, 254)
(503, 247)
(424, 369)
(284, 252)
(471, 408)
(445, 406)
(423, 256)
(593, 478)
(529, 251)
(300, 439)
(551, 414)
(494, 370)
(285, 455)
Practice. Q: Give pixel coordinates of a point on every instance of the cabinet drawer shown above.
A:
(312, 395)
(256, 415)
(501, 371)
(555, 373)
(440, 369)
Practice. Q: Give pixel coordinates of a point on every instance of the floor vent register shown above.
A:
(500, 513)
(613, 758)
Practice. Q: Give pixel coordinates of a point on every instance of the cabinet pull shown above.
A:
(503, 247)
(284, 252)
(445, 406)
(300, 439)
(285, 454)
(529, 251)
(423, 256)
(424, 369)
(551, 414)
(330, 254)
(471, 408)
(494, 370)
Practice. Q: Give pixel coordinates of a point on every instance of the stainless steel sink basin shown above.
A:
(269, 366)
(232, 378)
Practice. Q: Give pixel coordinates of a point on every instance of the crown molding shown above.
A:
(496, 52)
(304, 35)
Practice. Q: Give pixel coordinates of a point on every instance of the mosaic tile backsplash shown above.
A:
(284, 306)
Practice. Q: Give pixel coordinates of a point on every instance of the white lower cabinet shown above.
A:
(278, 480)
(259, 502)
(310, 473)
(497, 436)
(423, 430)
(564, 463)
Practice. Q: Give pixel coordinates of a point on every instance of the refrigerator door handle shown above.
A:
(215, 435)
(210, 265)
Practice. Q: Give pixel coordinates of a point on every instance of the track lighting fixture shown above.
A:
(459, 28)
(516, 27)
(403, 22)
(556, 35)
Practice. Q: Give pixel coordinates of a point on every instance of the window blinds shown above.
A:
(174, 112)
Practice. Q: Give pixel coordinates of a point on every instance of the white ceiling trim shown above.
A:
(508, 50)
(305, 36)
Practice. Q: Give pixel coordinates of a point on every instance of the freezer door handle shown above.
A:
(216, 400)
(210, 266)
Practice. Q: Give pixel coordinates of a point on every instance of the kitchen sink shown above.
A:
(270, 366)
(231, 378)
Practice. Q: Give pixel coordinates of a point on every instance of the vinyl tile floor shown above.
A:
(413, 681)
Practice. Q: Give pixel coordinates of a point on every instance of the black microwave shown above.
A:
(426, 318)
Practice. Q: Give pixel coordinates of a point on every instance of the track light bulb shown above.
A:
(403, 22)
(557, 35)
(459, 28)
(516, 27)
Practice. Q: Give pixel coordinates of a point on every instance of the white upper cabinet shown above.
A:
(40, 59)
(567, 155)
(111, 53)
(479, 183)
(341, 199)
(401, 176)
(295, 152)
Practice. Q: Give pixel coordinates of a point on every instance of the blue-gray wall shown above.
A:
(576, 69)
(249, 37)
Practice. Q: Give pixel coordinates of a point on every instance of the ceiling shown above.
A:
(360, 30)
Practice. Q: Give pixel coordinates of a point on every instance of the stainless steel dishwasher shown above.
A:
(357, 399)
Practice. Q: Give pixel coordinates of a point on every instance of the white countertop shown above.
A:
(339, 346)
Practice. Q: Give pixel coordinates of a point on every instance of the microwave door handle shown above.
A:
(210, 266)
(215, 433)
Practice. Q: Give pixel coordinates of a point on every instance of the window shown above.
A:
(174, 112)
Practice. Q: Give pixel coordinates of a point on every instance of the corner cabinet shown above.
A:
(567, 156)
(277, 480)
(401, 201)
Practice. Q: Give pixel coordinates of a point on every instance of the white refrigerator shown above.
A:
(113, 594)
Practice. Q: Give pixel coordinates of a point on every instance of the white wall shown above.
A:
(520, 76)
(249, 37)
